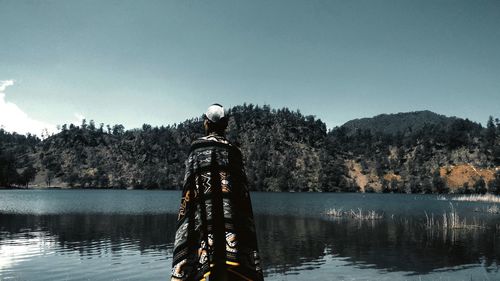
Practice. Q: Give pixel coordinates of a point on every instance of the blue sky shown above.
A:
(161, 62)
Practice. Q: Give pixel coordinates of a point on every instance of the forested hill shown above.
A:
(284, 151)
(400, 122)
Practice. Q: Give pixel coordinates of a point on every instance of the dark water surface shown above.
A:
(128, 235)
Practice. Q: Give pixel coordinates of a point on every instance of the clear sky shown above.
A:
(161, 62)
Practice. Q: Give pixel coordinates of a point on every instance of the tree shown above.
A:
(28, 175)
(84, 123)
(465, 188)
(494, 184)
(48, 178)
(8, 173)
(92, 125)
(438, 183)
(491, 133)
(480, 186)
(118, 129)
(146, 127)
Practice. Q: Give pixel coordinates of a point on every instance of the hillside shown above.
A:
(284, 151)
(399, 122)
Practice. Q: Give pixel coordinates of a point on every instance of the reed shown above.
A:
(493, 209)
(369, 215)
(451, 220)
(430, 222)
(355, 214)
(335, 212)
(442, 198)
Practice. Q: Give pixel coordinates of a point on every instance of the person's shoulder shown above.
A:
(216, 138)
(213, 139)
(209, 141)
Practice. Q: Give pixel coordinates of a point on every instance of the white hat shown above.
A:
(215, 113)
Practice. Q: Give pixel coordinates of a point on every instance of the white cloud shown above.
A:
(4, 84)
(79, 117)
(14, 119)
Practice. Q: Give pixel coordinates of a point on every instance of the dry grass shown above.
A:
(335, 212)
(357, 215)
(369, 215)
(493, 209)
(442, 198)
(474, 198)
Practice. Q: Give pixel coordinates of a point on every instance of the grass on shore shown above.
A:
(474, 198)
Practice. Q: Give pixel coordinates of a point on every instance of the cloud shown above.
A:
(4, 84)
(14, 119)
(79, 117)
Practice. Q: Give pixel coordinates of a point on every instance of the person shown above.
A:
(215, 238)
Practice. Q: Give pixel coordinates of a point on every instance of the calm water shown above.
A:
(128, 235)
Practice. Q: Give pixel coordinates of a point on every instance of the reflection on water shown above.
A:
(135, 246)
(84, 232)
(388, 245)
(86, 246)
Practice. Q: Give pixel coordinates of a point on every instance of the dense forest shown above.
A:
(415, 152)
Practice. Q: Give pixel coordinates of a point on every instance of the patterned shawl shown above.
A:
(215, 237)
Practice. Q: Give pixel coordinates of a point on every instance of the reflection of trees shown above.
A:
(285, 242)
(92, 233)
(406, 246)
(387, 244)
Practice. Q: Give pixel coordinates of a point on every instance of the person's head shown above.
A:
(215, 120)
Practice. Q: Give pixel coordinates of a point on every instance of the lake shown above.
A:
(128, 235)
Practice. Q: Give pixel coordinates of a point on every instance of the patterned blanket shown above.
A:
(215, 237)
